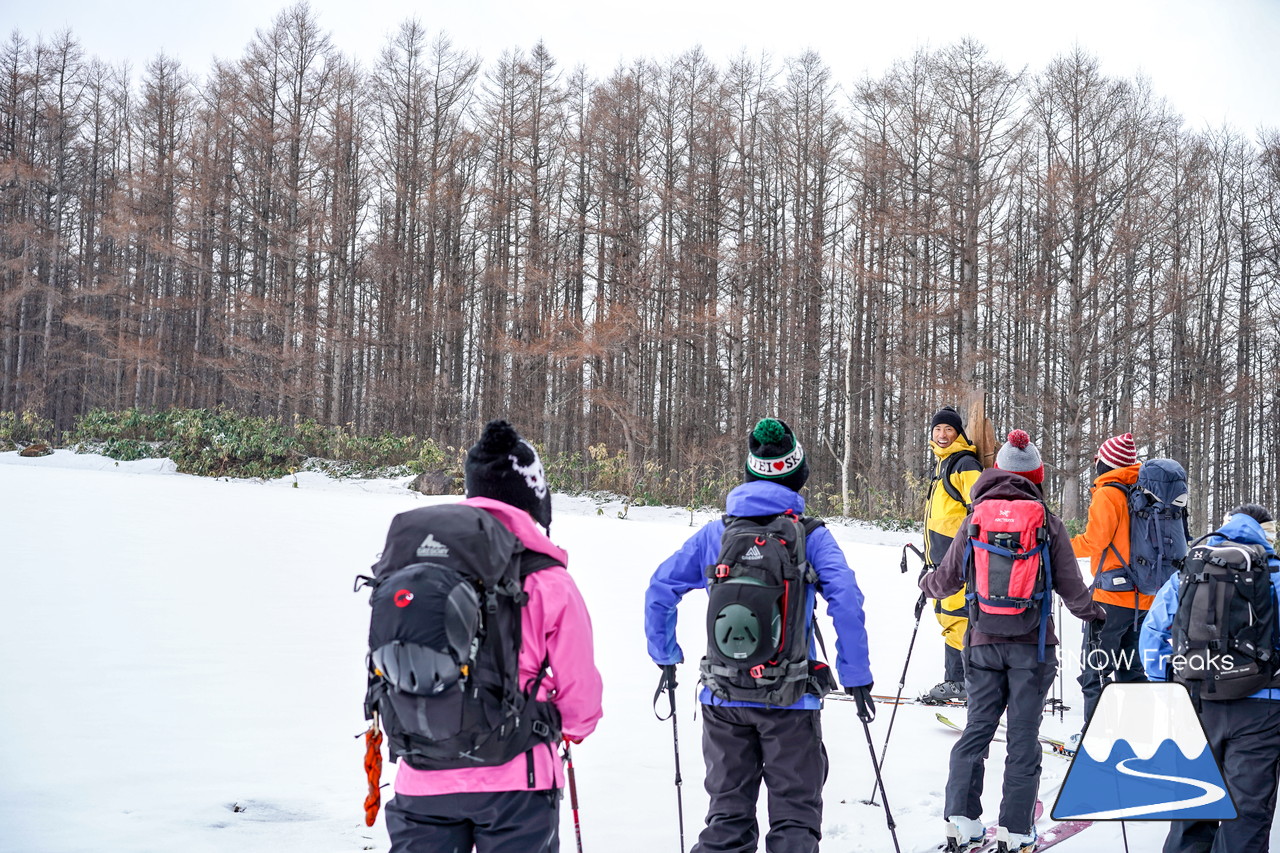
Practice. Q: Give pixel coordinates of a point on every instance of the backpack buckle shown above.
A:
(757, 671)
(722, 570)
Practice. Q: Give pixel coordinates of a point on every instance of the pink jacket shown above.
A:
(555, 625)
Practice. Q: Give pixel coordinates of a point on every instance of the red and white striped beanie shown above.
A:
(1119, 451)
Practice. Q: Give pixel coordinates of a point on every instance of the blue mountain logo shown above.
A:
(1144, 756)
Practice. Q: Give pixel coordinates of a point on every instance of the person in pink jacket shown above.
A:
(513, 807)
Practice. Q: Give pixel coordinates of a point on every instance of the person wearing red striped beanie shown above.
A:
(1111, 647)
(1119, 451)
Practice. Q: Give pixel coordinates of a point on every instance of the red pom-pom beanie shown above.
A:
(1019, 456)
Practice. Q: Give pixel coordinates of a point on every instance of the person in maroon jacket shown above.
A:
(1011, 660)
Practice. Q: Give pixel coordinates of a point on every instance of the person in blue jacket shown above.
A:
(1243, 733)
(744, 743)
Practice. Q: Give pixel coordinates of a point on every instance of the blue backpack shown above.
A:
(1158, 533)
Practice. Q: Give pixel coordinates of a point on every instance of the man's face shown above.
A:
(944, 434)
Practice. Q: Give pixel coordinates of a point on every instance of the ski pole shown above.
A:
(902, 681)
(668, 683)
(1062, 690)
(573, 794)
(865, 715)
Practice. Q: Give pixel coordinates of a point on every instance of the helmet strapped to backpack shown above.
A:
(1010, 584)
(757, 617)
(445, 639)
(1157, 505)
(1223, 633)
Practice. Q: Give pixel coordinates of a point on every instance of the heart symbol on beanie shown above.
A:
(779, 465)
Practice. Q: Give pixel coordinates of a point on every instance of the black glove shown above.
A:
(866, 705)
(667, 681)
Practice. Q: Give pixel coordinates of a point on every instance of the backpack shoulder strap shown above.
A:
(949, 468)
(1126, 491)
(1123, 487)
(533, 561)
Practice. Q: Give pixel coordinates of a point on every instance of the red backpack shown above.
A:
(1011, 585)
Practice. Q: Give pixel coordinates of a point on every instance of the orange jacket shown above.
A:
(1109, 525)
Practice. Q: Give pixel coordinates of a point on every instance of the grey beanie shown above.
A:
(1019, 456)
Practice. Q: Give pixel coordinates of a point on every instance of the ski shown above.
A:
(1052, 706)
(1060, 832)
(1049, 745)
(893, 700)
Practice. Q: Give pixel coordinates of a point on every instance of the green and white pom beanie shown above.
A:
(774, 454)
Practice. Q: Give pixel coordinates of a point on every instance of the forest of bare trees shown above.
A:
(650, 261)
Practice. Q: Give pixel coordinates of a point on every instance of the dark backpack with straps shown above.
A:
(1157, 505)
(757, 614)
(445, 638)
(1010, 579)
(1224, 631)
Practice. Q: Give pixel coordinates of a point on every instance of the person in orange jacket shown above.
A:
(1111, 647)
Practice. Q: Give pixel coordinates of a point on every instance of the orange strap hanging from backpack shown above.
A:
(373, 770)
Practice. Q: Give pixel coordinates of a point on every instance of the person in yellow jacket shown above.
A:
(954, 473)
(1111, 648)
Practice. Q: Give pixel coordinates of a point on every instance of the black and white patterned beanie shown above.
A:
(505, 467)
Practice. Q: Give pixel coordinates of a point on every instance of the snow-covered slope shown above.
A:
(181, 669)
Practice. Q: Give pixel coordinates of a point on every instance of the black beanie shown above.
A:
(773, 454)
(505, 467)
(949, 416)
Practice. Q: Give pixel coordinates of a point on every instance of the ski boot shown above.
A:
(1016, 842)
(946, 693)
(964, 833)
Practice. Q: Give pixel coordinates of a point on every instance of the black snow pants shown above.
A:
(741, 747)
(1111, 653)
(498, 822)
(1000, 676)
(1245, 738)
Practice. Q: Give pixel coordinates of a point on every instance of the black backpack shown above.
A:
(444, 642)
(757, 620)
(1224, 631)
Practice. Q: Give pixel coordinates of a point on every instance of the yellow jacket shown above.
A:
(943, 513)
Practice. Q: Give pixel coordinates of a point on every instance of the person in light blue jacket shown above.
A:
(745, 743)
(1243, 733)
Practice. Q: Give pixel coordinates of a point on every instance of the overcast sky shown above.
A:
(1217, 61)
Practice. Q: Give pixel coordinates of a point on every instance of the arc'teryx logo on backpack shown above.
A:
(431, 547)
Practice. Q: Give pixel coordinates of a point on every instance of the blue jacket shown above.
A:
(683, 571)
(1155, 640)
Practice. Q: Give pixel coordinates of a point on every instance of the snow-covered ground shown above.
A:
(181, 669)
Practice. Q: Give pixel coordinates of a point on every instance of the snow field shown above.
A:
(182, 670)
